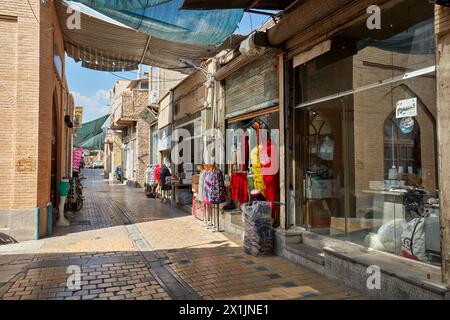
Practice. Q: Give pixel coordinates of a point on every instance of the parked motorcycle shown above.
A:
(75, 199)
(118, 173)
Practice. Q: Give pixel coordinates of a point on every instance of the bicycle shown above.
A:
(75, 198)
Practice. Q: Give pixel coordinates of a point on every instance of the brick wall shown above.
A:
(140, 101)
(143, 150)
(8, 97)
(28, 85)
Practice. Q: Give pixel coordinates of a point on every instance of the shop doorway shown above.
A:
(320, 175)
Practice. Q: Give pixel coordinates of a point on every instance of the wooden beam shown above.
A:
(305, 14)
(282, 143)
(443, 132)
(316, 21)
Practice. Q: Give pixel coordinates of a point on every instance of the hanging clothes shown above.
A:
(245, 145)
(215, 190)
(239, 187)
(201, 186)
(151, 175)
(157, 172)
(269, 157)
(256, 166)
(207, 187)
(164, 177)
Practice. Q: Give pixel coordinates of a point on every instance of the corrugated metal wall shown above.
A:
(253, 87)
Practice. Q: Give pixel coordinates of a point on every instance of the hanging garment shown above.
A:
(207, 188)
(269, 157)
(201, 186)
(256, 165)
(151, 176)
(239, 187)
(157, 172)
(272, 184)
(164, 177)
(215, 190)
(245, 145)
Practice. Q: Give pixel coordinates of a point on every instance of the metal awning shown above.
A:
(105, 45)
(236, 4)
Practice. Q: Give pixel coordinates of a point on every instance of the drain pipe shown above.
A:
(49, 219)
(36, 222)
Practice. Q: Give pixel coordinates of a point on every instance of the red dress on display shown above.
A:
(269, 158)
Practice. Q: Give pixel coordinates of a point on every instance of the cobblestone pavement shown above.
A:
(129, 247)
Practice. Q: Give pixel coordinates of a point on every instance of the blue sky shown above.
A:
(90, 88)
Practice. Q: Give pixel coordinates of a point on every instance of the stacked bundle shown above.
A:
(258, 233)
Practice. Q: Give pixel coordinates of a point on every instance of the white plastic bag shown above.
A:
(413, 240)
(372, 241)
(390, 235)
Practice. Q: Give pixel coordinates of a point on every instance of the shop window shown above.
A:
(362, 172)
(143, 85)
(402, 150)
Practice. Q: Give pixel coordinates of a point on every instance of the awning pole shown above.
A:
(145, 49)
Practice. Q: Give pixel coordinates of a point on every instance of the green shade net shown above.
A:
(122, 4)
(97, 142)
(89, 133)
(167, 21)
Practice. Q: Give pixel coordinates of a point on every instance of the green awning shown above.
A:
(90, 132)
(97, 142)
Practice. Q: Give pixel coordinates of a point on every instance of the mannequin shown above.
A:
(63, 189)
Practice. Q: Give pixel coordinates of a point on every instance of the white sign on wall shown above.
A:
(406, 108)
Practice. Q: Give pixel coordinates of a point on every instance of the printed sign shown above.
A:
(77, 156)
(407, 125)
(406, 108)
(78, 120)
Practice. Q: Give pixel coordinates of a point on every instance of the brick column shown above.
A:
(443, 131)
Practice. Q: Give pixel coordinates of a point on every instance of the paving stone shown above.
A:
(146, 261)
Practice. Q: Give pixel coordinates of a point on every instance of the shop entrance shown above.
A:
(322, 173)
(365, 155)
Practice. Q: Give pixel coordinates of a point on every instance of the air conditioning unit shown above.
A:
(254, 44)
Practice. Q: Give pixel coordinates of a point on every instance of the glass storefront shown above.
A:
(365, 156)
(251, 148)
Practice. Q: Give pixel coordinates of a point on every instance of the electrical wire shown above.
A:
(153, 78)
(34, 14)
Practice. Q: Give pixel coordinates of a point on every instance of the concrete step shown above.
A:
(313, 254)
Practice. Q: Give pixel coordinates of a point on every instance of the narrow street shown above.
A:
(131, 247)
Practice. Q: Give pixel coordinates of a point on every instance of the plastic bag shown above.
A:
(390, 235)
(372, 240)
(258, 231)
(413, 240)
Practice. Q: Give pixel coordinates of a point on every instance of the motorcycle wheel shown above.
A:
(79, 204)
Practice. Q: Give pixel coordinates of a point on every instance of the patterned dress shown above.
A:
(215, 191)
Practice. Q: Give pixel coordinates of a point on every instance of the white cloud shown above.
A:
(94, 106)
